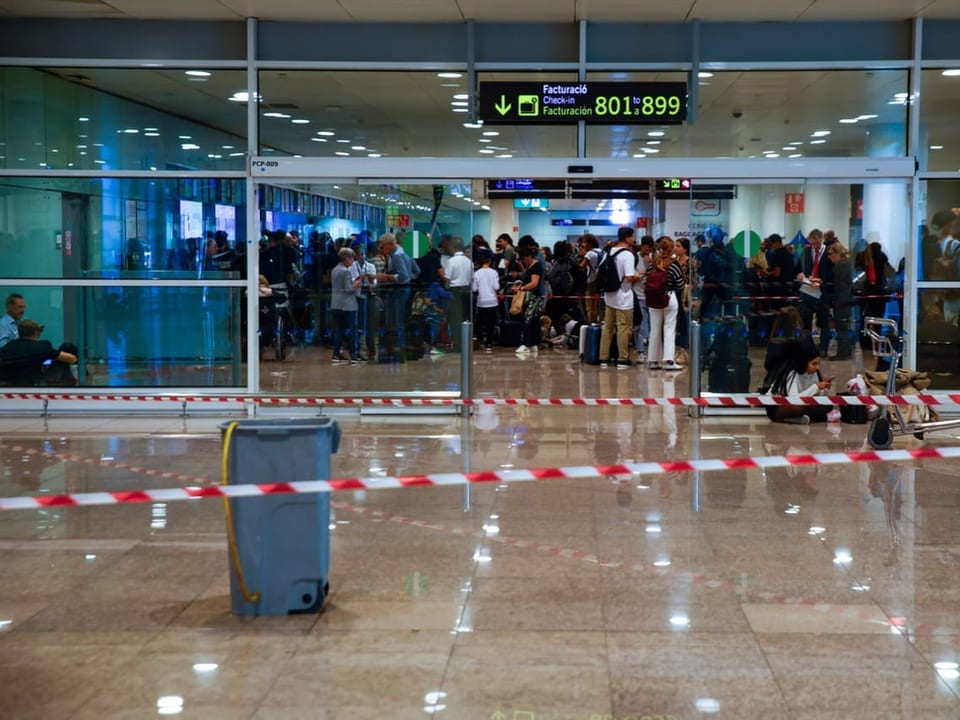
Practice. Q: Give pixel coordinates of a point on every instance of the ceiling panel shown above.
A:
(548, 11)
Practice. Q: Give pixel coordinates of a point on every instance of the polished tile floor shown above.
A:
(827, 592)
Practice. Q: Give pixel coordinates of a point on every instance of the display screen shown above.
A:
(523, 103)
(191, 219)
(227, 219)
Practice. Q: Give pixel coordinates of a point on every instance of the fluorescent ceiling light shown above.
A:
(198, 73)
(449, 75)
(819, 133)
(461, 96)
(326, 133)
(704, 74)
(953, 72)
(656, 133)
(300, 121)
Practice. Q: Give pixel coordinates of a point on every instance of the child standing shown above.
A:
(486, 283)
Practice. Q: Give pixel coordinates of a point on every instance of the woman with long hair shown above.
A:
(798, 375)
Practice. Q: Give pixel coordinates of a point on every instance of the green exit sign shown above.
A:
(626, 103)
(531, 203)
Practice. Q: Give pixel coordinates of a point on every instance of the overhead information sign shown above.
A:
(616, 103)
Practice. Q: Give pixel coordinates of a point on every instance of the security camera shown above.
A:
(737, 114)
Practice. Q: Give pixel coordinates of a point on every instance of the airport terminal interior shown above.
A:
(663, 559)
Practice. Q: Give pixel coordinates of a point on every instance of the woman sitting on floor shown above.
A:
(796, 375)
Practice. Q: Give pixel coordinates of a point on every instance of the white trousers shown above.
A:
(663, 332)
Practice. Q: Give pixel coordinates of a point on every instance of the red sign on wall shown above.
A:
(400, 221)
(642, 222)
(793, 203)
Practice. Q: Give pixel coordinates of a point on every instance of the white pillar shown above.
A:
(504, 218)
(886, 207)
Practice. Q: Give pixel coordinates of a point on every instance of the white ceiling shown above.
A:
(542, 11)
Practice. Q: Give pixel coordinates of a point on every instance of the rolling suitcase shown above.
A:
(511, 333)
(590, 344)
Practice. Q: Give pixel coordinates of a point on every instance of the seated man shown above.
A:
(22, 360)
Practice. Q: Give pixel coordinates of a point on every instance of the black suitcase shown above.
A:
(728, 368)
(590, 344)
(511, 333)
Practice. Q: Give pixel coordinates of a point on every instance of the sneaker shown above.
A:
(604, 363)
(535, 348)
(337, 360)
(625, 364)
(655, 365)
(672, 366)
(434, 351)
(801, 420)
(522, 349)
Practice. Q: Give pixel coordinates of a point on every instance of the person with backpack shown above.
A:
(615, 276)
(664, 282)
(560, 276)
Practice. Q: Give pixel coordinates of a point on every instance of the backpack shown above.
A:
(560, 278)
(655, 289)
(608, 276)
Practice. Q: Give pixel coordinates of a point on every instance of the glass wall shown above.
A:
(166, 239)
(784, 113)
(395, 114)
(938, 272)
(122, 119)
(755, 245)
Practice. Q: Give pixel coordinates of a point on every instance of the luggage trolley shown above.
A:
(886, 425)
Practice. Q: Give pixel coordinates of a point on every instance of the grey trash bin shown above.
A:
(283, 541)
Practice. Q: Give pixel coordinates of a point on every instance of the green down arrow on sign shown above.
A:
(502, 107)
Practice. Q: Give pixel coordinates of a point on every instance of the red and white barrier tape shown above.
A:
(742, 400)
(451, 479)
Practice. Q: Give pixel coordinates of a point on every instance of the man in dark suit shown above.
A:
(816, 288)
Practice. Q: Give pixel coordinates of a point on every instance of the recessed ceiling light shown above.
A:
(473, 125)
(505, 155)
(198, 73)
(817, 142)
(242, 96)
(342, 141)
(936, 147)
(343, 154)
(83, 119)
(185, 137)
(487, 151)
(654, 142)
(484, 140)
(650, 149)
(326, 133)
(461, 96)
(953, 72)
(319, 139)
(796, 155)
(461, 109)
(656, 133)
(151, 134)
(639, 155)
(847, 121)
(866, 117)
(358, 147)
(704, 74)
(374, 155)
(490, 133)
(450, 75)
(772, 155)
(300, 121)
(456, 85)
(460, 103)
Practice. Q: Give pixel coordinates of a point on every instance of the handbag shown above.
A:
(519, 300)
